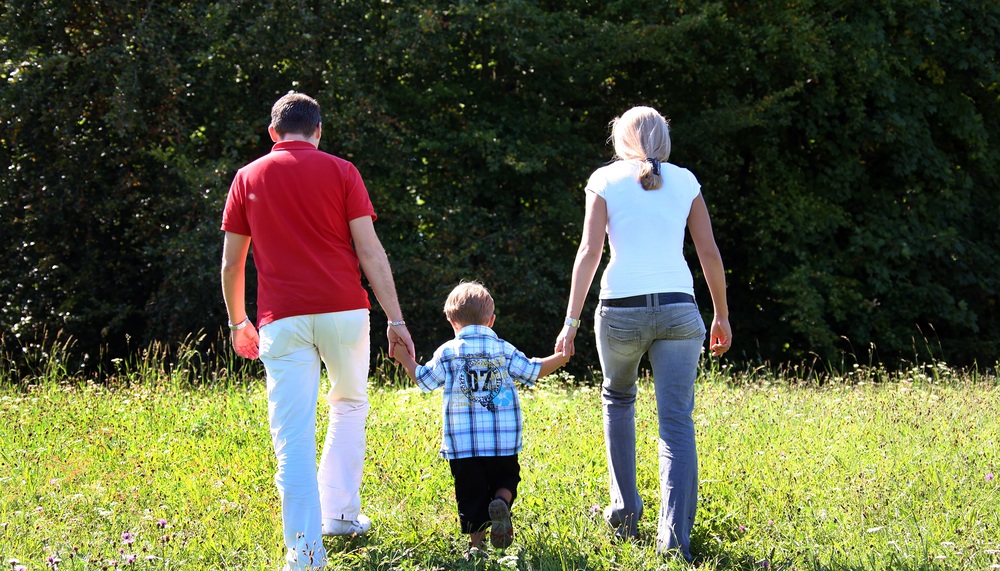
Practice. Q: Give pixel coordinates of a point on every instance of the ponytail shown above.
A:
(641, 133)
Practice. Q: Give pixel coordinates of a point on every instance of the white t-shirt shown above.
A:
(645, 229)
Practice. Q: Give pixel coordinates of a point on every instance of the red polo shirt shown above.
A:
(295, 204)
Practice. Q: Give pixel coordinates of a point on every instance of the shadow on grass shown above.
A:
(450, 553)
(710, 554)
(549, 555)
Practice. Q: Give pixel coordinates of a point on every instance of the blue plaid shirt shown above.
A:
(482, 414)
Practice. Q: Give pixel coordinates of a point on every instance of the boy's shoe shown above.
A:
(501, 530)
(335, 527)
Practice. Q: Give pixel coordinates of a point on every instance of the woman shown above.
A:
(647, 306)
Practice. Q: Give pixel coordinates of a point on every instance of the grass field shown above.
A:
(845, 474)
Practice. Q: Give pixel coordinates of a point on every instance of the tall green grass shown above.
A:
(868, 470)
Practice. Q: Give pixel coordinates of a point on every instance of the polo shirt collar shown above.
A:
(293, 145)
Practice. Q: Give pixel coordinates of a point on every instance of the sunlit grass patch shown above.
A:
(861, 472)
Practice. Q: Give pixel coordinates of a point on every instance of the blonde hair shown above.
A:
(470, 303)
(642, 133)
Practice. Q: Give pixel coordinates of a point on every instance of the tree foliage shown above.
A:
(847, 151)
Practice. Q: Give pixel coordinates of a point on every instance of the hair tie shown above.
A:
(656, 165)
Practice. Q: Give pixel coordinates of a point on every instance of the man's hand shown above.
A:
(401, 349)
(399, 336)
(246, 342)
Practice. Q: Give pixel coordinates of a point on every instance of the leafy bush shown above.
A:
(846, 150)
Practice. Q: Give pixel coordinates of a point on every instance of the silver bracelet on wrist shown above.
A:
(240, 325)
(396, 323)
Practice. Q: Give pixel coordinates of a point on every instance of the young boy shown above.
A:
(482, 414)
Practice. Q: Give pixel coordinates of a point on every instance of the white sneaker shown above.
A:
(359, 526)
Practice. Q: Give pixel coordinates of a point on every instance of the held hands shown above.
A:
(565, 342)
(721, 337)
(400, 353)
(246, 342)
(403, 352)
(399, 339)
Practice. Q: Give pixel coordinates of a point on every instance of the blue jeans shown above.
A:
(673, 336)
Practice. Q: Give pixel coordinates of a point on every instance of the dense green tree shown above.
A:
(847, 151)
(860, 178)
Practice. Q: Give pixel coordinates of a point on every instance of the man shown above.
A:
(311, 221)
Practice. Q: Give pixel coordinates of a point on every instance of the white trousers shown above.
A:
(292, 350)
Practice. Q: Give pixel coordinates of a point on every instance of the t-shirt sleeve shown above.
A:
(426, 379)
(432, 375)
(358, 201)
(598, 184)
(693, 185)
(234, 215)
(521, 367)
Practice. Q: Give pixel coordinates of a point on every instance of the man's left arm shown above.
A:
(375, 265)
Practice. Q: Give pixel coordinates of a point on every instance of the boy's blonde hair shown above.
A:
(642, 133)
(470, 303)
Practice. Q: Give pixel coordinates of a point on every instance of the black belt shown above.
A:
(648, 300)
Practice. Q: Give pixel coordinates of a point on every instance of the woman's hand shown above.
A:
(564, 342)
(722, 336)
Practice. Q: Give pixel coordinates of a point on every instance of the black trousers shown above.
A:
(476, 483)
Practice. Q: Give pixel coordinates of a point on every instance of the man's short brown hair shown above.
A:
(295, 113)
(470, 303)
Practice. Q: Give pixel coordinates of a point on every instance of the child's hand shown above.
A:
(397, 349)
(401, 353)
